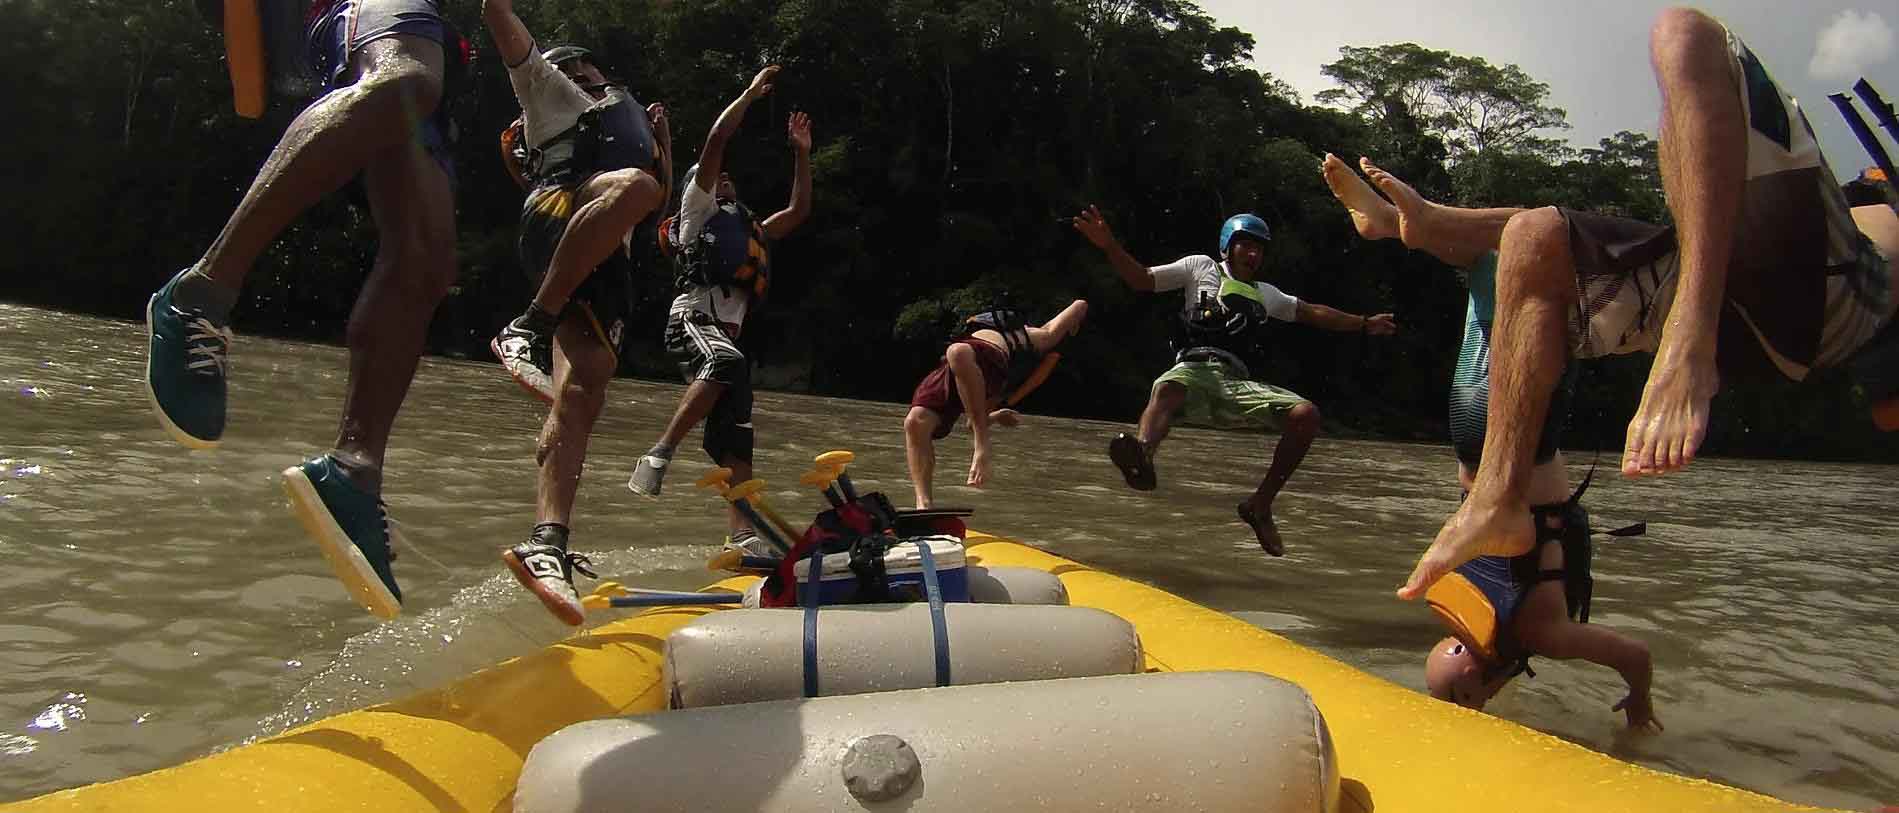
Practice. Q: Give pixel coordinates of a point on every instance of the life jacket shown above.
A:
(1027, 368)
(612, 134)
(730, 251)
(1229, 327)
(1470, 612)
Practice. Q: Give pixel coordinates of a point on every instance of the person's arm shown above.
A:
(1094, 227)
(1329, 318)
(512, 40)
(712, 155)
(1564, 639)
(798, 132)
(663, 140)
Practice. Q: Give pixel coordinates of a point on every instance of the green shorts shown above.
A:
(1220, 400)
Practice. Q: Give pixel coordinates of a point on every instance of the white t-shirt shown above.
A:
(729, 306)
(1198, 272)
(550, 102)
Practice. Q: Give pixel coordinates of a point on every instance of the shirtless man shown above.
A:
(1766, 269)
(1501, 610)
(993, 365)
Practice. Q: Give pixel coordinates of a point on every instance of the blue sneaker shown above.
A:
(352, 529)
(184, 369)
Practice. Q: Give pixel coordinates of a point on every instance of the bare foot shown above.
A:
(1264, 530)
(1473, 531)
(1414, 212)
(1375, 218)
(979, 469)
(1672, 421)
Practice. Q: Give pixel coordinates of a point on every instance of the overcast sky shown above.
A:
(1593, 53)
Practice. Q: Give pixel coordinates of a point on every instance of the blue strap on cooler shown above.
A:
(815, 571)
(938, 629)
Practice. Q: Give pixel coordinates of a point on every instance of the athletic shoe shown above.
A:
(748, 543)
(648, 475)
(184, 369)
(528, 357)
(352, 529)
(1132, 458)
(543, 565)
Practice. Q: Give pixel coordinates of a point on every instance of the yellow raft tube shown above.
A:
(461, 747)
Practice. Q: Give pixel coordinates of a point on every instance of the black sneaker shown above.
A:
(543, 565)
(1132, 458)
(528, 357)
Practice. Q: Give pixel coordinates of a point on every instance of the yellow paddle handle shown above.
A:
(744, 490)
(835, 459)
(718, 477)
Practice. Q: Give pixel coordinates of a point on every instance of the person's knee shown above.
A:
(1530, 239)
(1681, 34)
(960, 353)
(424, 260)
(1169, 394)
(589, 372)
(629, 194)
(919, 423)
(1303, 419)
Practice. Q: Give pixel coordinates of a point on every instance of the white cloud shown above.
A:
(1853, 42)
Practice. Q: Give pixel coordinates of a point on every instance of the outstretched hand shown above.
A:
(662, 126)
(1382, 324)
(762, 83)
(1640, 711)
(1094, 227)
(798, 131)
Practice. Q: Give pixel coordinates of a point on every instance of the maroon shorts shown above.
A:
(937, 393)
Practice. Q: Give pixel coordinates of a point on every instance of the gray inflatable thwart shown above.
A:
(1204, 741)
(747, 656)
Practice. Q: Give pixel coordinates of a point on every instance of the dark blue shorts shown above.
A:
(338, 29)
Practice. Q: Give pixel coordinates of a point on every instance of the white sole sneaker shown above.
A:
(349, 565)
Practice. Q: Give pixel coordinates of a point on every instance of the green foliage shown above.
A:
(953, 140)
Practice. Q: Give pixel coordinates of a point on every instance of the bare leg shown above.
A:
(609, 205)
(412, 201)
(1549, 483)
(1065, 324)
(1159, 415)
(1300, 427)
(1536, 286)
(583, 367)
(1454, 235)
(699, 399)
(1704, 163)
(328, 144)
(741, 471)
(975, 397)
(920, 451)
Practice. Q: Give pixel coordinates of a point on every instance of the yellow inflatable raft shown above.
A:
(461, 747)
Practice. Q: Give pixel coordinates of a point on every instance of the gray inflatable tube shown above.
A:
(746, 656)
(1202, 741)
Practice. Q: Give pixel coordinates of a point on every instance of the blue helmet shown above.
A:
(1247, 224)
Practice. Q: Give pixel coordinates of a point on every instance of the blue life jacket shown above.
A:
(612, 134)
(729, 251)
